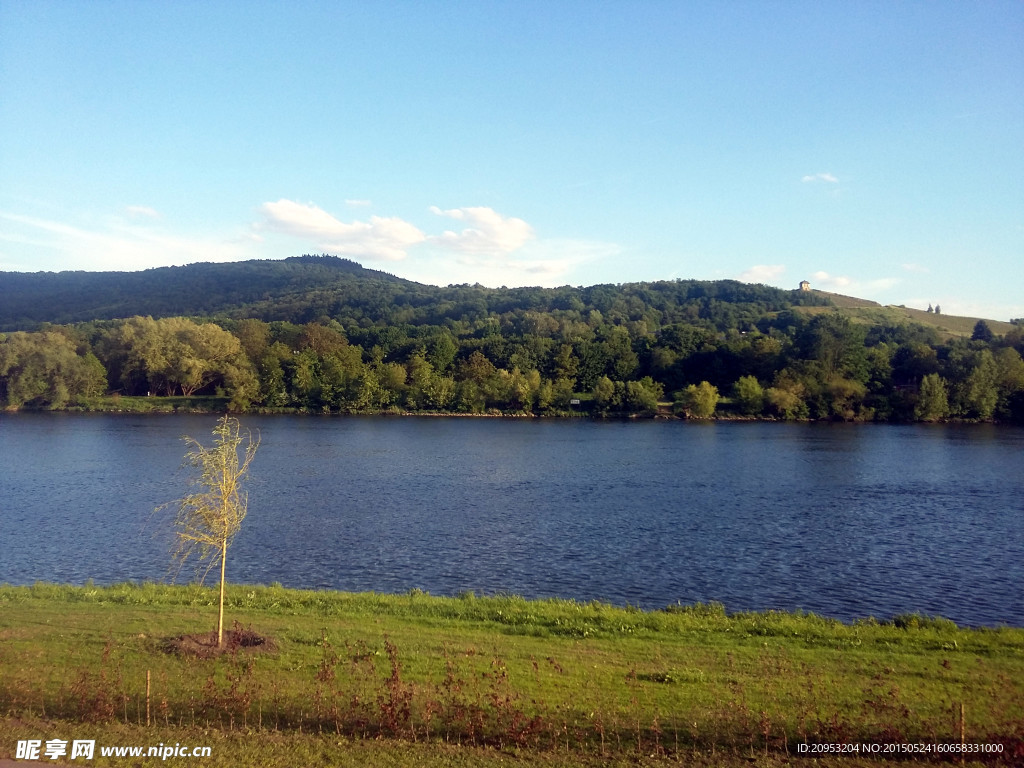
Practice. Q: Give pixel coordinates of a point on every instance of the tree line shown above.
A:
(700, 358)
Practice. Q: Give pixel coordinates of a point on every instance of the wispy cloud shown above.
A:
(761, 273)
(377, 239)
(848, 284)
(917, 268)
(113, 244)
(821, 278)
(142, 212)
(815, 177)
(489, 248)
(953, 306)
(541, 262)
(487, 231)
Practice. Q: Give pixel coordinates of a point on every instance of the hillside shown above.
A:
(872, 313)
(203, 289)
(318, 288)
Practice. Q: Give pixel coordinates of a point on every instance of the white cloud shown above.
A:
(378, 238)
(762, 273)
(832, 281)
(827, 177)
(852, 286)
(542, 262)
(487, 231)
(918, 268)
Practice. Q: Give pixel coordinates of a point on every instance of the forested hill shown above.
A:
(204, 289)
(317, 288)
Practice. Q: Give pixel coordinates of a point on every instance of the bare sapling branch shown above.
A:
(208, 519)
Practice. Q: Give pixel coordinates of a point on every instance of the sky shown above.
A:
(875, 149)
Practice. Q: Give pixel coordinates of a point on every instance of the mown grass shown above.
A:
(473, 679)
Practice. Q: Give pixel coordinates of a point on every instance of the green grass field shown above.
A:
(368, 679)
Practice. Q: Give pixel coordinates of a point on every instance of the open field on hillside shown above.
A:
(872, 313)
(415, 679)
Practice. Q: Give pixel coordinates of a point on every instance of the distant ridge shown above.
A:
(203, 288)
(310, 288)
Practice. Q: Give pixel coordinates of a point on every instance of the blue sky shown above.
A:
(873, 148)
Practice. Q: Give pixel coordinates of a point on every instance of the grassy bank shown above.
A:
(420, 680)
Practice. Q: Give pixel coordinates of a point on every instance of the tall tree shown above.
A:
(982, 392)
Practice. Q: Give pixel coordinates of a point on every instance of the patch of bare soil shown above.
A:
(204, 645)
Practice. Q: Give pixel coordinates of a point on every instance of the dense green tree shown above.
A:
(932, 403)
(593, 363)
(785, 397)
(604, 394)
(749, 395)
(46, 369)
(983, 387)
(174, 354)
(1010, 383)
(642, 396)
(982, 332)
(322, 340)
(476, 368)
(974, 388)
(697, 401)
(254, 336)
(622, 360)
(785, 403)
(846, 399)
(565, 364)
(272, 388)
(912, 361)
(838, 346)
(442, 352)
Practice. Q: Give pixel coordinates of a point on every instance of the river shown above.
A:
(843, 520)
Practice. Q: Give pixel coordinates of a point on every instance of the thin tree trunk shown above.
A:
(220, 617)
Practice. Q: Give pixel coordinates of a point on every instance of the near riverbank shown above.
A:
(416, 679)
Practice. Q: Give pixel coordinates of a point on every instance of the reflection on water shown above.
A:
(842, 520)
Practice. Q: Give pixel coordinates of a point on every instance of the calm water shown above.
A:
(842, 520)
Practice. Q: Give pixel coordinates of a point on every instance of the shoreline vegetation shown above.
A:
(164, 405)
(414, 679)
(318, 334)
